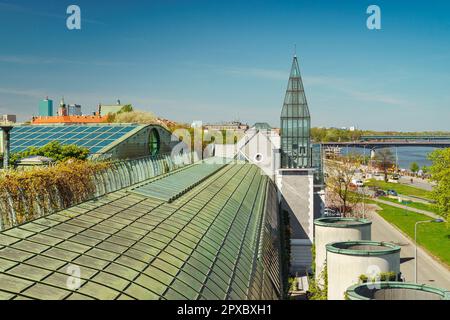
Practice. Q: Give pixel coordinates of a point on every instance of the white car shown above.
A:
(358, 182)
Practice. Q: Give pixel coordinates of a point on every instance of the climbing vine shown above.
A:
(25, 195)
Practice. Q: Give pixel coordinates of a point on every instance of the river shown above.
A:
(406, 155)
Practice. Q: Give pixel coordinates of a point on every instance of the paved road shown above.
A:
(430, 271)
(417, 182)
(401, 206)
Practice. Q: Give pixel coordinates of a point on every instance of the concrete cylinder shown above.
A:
(396, 291)
(328, 230)
(347, 261)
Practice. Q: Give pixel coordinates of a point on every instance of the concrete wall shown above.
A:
(344, 270)
(396, 291)
(324, 235)
(297, 198)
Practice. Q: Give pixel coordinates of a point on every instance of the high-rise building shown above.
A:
(46, 108)
(74, 110)
(295, 124)
(62, 110)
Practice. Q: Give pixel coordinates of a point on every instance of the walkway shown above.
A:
(402, 206)
(417, 183)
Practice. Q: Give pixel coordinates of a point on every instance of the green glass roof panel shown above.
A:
(201, 245)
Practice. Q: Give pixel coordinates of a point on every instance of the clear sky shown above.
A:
(222, 60)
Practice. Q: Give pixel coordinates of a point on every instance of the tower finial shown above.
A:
(295, 50)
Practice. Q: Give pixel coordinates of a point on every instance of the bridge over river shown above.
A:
(379, 142)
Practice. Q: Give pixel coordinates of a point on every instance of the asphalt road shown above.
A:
(417, 182)
(430, 271)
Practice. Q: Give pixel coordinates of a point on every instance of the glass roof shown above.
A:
(203, 245)
(174, 185)
(93, 137)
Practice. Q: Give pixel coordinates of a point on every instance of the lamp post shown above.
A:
(415, 242)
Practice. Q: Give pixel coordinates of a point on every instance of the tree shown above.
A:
(54, 150)
(339, 183)
(126, 108)
(132, 117)
(384, 159)
(414, 167)
(440, 173)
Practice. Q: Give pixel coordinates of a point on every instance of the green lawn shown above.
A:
(435, 237)
(400, 188)
(417, 205)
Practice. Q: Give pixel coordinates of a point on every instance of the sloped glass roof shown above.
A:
(203, 245)
(93, 137)
(174, 185)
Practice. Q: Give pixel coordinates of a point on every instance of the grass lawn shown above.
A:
(435, 237)
(417, 205)
(400, 188)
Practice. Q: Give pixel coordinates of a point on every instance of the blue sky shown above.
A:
(223, 60)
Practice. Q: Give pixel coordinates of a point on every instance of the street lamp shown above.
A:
(415, 241)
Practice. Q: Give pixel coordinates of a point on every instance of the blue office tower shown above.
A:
(46, 108)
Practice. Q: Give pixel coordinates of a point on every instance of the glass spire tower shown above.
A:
(295, 124)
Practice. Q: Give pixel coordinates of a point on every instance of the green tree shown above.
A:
(54, 150)
(339, 182)
(440, 173)
(126, 108)
(414, 167)
(384, 160)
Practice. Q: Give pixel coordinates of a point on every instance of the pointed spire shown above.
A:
(295, 69)
(295, 123)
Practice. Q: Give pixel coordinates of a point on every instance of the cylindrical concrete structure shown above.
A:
(347, 261)
(396, 291)
(328, 230)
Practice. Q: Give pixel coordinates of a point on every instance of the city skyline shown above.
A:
(211, 61)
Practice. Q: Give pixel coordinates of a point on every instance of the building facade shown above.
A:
(9, 118)
(46, 108)
(74, 110)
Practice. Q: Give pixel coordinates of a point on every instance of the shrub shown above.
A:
(54, 150)
(25, 195)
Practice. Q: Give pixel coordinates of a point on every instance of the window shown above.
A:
(154, 142)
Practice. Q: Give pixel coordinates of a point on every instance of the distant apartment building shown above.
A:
(46, 108)
(105, 109)
(9, 118)
(233, 125)
(74, 110)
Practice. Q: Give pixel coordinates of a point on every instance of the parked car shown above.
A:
(379, 193)
(391, 192)
(358, 182)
